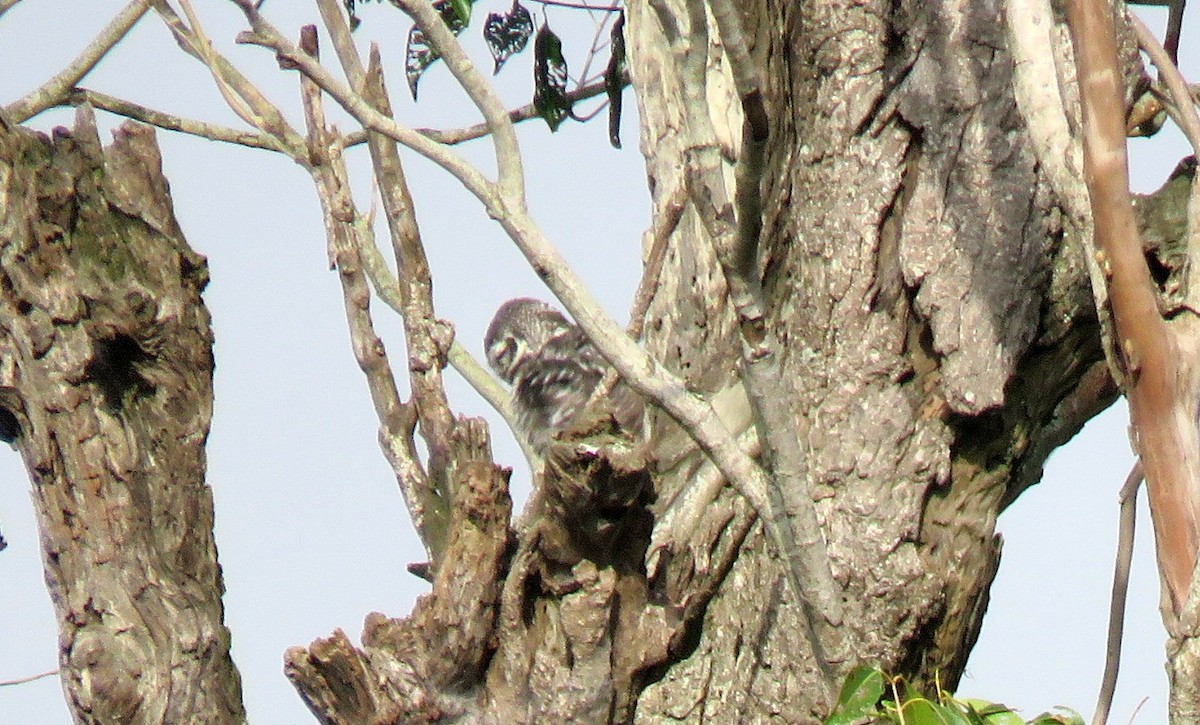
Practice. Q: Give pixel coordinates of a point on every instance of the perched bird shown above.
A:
(553, 369)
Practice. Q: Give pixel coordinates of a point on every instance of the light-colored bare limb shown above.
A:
(54, 91)
(1168, 73)
(510, 174)
(170, 122)
(348, 233)
(789, 515)
(1036, 88)
(245, 98)
(1038, 78)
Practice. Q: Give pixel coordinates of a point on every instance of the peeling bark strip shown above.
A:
(106, 366)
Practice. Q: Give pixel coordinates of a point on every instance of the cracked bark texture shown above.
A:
(937, 329)
(939, 339)
(106, 383)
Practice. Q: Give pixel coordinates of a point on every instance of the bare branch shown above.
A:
(54, 91)
(1037, 70)
(658, 237)
(243, 96)
(1168, 73)
(1156, 384)
(169, 122)
(29, 678)
(799, 540)
(348, 233)
(428, 339)
(454, 136)
(264, 34)
(580, 6)
(1040, 101)
(510, 175)
(1120, 588)
(387, 287)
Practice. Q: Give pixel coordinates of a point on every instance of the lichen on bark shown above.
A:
(106, 372)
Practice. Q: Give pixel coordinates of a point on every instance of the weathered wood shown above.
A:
(106, 370)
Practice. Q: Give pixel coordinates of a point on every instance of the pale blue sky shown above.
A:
(311, 529)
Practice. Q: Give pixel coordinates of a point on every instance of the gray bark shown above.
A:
(938, 339)
(106, 384)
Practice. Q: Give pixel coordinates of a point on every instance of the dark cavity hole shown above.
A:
(114, 370)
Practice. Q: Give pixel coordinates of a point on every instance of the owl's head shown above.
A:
(520, 332)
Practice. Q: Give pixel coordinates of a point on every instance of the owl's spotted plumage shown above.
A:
(552, 367)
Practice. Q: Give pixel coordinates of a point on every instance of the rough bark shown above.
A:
(938, 329)
(106, 385)
(939, 341)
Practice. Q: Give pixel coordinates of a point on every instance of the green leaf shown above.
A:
(462, 11)
(860, 692)
(507, 34)
(418, 54)
(550, 78)
(920, 711)
(614, 84)
(1060, 716)
(992, 713)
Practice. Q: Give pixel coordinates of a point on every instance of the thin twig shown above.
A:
(52, 92)
(594, 49)
(29, 678)
(1168, 73)
(670, 211)
(169, 122)
(454, 136)
(1120, 588)
(264, 115)
(580, 6)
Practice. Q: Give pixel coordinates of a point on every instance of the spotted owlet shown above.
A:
(552, 367)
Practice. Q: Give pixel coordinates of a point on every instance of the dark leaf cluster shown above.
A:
(507, 34)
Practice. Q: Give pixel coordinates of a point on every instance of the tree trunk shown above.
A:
(939, 339)
(937, 333)
(106, 386)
